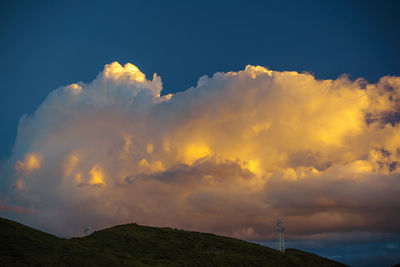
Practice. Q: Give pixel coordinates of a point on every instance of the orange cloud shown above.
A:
(96, 176)
(30, 163)
(228, 156)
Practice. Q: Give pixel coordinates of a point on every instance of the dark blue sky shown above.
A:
(46, 44)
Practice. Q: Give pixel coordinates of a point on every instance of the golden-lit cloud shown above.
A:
(70, 163)
(230, 155)
(117, 72)
(96, 176)
(30, 163)
(74, 87)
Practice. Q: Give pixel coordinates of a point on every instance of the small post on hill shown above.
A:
(88, 230)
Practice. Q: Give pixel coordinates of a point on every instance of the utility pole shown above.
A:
(280, 228)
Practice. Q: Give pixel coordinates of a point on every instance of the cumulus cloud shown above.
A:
(228, 156)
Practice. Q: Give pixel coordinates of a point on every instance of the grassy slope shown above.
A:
(135, 245)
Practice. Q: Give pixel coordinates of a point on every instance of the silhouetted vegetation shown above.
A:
(135, 245)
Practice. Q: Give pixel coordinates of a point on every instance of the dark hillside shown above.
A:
(135, 245)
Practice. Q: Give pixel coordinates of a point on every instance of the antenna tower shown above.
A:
(88, 230)
(280, 228)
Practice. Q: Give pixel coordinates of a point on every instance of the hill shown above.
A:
(136, 245)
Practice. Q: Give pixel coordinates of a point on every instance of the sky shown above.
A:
(184, 114)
